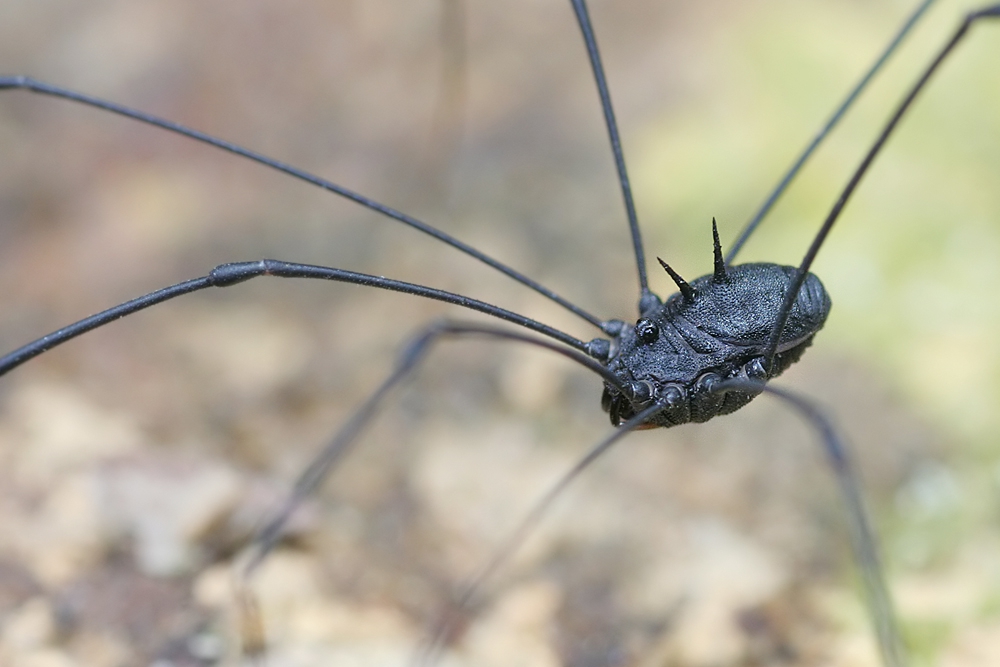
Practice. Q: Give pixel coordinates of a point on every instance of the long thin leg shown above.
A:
(414, 353)
(832, 122)
(448, 121)
(429, 651)
(646, 298)
(40, 87)
(793, 290)
(226, 275)
(863, 541)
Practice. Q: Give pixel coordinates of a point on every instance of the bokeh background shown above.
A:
(137, 459)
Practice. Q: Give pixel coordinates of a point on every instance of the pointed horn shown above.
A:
(681, 283)
(720, 263)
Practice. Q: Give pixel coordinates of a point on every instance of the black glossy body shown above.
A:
(681, 350)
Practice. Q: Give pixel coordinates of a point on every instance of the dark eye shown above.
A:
(647, 331)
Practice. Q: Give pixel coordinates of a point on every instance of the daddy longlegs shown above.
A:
(139, 219)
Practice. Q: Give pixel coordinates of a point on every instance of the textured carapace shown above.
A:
(715, 329)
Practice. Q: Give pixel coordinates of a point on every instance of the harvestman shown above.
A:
(705, 351)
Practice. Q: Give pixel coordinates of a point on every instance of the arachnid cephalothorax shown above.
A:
(716, 328)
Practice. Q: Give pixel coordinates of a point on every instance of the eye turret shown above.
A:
(647, 331)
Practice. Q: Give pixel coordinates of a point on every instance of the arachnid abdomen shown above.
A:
(716, 329)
